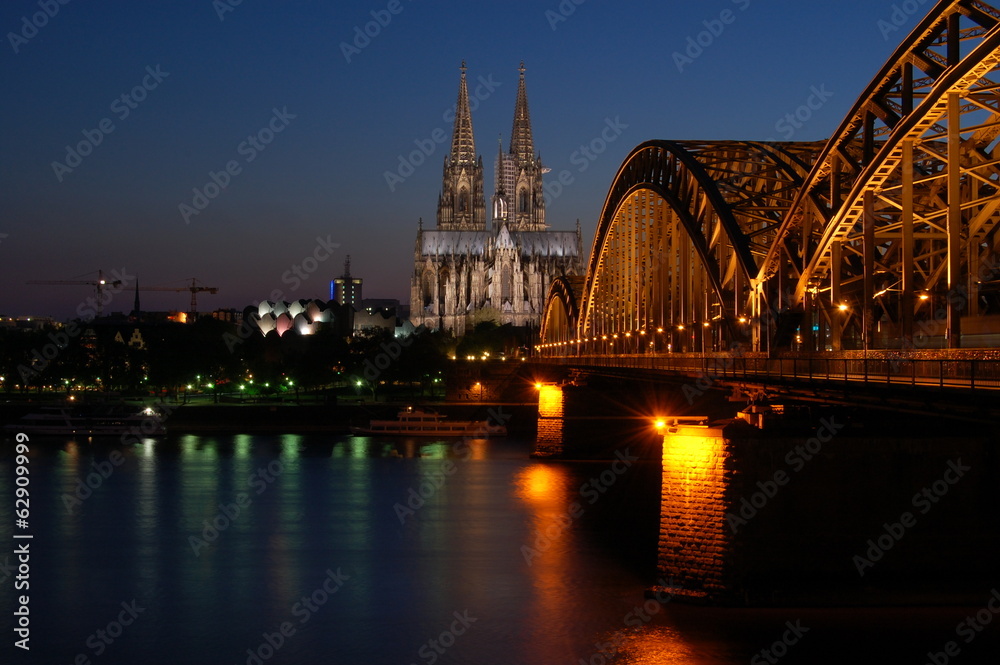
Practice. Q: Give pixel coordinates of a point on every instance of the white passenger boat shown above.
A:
(91, 420)
(417, 422)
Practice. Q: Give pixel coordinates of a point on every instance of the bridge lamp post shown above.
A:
(845, 308)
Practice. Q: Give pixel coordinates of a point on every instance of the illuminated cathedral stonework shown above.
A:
(466, 271)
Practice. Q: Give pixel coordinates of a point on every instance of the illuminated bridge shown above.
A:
(872, 257)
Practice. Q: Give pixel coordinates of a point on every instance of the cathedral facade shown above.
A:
(472, 268)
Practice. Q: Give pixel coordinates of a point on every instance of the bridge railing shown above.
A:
(927, 372)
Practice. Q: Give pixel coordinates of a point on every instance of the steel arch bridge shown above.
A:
(885, 236)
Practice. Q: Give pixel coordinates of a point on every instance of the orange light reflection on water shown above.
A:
(548, 552)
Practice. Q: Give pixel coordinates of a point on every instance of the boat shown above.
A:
(90, 420)
(418, 422)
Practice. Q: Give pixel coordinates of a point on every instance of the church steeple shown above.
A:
(463, 142)
(136, 310)
(461, 205)
(523, 170)
(522, 147)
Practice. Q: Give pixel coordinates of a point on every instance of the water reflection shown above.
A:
(548, 491)
(512, 540)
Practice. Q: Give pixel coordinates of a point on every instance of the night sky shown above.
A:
(209, 75)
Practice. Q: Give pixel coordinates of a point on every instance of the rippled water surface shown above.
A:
(292, 549)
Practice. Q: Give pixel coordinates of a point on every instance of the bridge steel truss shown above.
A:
(884, 236)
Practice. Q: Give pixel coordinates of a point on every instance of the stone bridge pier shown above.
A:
(826, 515)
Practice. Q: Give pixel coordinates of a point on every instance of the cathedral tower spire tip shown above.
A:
(461, 203)
(522, 145)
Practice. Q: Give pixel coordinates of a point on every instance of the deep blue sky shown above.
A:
(324, 174)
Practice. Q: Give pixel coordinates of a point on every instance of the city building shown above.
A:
(466, 270)
(346, 290)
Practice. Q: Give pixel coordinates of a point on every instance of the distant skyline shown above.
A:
(254, 146)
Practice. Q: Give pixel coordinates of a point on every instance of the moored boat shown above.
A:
(90, 420)
(417, 422)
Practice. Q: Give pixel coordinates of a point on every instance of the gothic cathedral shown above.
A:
(466, 271)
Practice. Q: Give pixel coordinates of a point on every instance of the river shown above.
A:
(244, 549)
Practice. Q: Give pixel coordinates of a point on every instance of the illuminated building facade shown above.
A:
(466, 271)
(346, 290)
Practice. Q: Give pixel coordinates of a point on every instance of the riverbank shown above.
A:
(274, 417)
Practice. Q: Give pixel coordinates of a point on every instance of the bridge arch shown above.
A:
(560, 320)
(683, 231)
(893, 238)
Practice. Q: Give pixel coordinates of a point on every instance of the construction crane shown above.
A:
(100, 283)
(194, 289)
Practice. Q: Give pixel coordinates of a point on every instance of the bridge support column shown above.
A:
(907, 301)
(836, 316)
(694, 541)
(868, 291)
(806, 329)
(956, 301)
(551, 422)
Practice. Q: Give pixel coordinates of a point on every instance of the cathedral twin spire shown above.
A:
(519, 198)
(462, 205)
(463, 142)
(522, 147)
